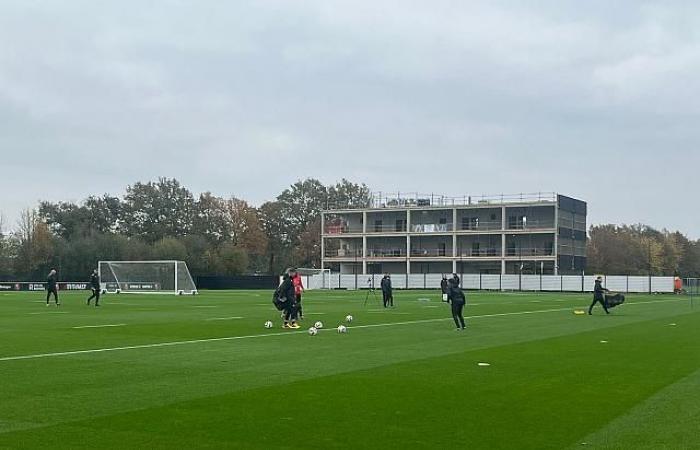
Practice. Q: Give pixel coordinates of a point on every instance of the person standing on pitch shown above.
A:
(298, 290)
(286, 291)
(455, 279)
(95, 286)
(52, 287)
(598, 296)
(444, 287)
(387, 291)
(457, 299)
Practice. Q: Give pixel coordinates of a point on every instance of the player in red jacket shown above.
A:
(298, 290)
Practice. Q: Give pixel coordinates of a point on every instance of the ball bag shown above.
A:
(612, 301)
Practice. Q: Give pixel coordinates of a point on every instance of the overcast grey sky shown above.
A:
(594, 99)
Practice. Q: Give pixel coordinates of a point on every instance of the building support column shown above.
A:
(323, 241)
(454, 240)
(556, 239)
(504, 224)
(364, 255)
(408, 254)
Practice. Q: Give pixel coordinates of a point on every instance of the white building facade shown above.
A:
(543, 233)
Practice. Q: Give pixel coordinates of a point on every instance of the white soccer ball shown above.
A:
(318, 325)
(268, 324)
(348, 318)
(342, 329)
(313, 331)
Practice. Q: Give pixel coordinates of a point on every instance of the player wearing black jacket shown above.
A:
(458, 300)
(598, 296)
(387, 291)
(52, 287)
(95, 286)
(287, 293)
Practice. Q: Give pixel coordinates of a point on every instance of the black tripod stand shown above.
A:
(370, 290)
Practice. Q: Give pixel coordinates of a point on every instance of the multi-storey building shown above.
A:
(507, 234)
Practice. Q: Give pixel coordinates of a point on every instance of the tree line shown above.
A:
(641, 250)
(165, 220)
(228, 236)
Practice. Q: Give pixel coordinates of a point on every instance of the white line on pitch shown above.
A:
(225, 318)
(253, 336)
(205, 306)
(100, 326)
(48, 312)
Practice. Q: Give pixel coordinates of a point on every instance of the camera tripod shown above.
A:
(370, 290)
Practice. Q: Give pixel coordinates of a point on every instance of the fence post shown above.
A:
(627, 288)
(480, 283)
(500, 282)
(425, 280)
(583, 282)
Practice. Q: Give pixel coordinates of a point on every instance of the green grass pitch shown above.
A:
(165, 372)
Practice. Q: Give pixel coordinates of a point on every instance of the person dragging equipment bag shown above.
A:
(598, 296)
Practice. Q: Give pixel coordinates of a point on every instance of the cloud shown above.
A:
(244, 98)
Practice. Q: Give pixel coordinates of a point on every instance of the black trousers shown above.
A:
(53, 291)
(388, 298)
(602, 303)
(457, 314)
(95, 295)
(291, 312)
(299, 311)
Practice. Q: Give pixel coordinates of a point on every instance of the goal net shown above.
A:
(146, 277)
(315, 278)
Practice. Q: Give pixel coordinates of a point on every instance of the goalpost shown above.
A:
(315, 278)
(146, 277)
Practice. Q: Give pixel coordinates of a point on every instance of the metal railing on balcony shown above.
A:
(431, 227)
(416, 200)
(431, 253)
(530, 225)
(520, 252)
(376, 228)
(386, 252)
(480, 226)
(343, 229)
(479, 253)
(343, 253)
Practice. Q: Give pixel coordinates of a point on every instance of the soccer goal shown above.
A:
(315, 278)
(146, 277)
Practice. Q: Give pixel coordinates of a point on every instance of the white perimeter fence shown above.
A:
(551, 283)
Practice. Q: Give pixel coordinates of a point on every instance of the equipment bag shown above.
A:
(612, 301)
(278, 301)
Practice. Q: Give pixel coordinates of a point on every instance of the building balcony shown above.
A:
(432, 228)
(528, 252)
(531, 225)
(431, 253)
(386, 229)
(479, 253)
(480, 226)
(343, 254)
(386, 253)
(335, 230)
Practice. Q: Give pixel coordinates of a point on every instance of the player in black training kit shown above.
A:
(95, 286)
(387, 291)
(52, 287)
(598, 296)
(457, 299)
